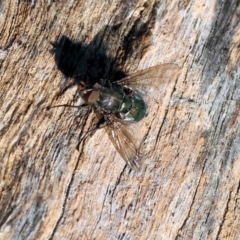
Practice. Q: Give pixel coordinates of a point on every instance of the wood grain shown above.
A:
(189, 185)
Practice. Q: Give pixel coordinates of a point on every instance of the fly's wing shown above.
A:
(156, 84)
(123, 141)
(150, 79)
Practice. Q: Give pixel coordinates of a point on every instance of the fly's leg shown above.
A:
(101, 124)
(67, 105)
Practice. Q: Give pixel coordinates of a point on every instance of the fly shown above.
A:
(123, 102)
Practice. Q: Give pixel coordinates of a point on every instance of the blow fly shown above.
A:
(123, 102)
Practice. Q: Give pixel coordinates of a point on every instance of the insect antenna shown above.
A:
(73, 106)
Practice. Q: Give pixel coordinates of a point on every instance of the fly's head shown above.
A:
(90, 94)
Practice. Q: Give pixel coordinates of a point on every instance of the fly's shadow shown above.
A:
(104, 56)
(88, 63)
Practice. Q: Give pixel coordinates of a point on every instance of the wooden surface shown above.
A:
(189, 185)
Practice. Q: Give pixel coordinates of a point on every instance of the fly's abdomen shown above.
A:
(137, 111)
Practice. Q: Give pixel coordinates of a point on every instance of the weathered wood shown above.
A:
(188, 187)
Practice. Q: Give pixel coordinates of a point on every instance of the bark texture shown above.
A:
(189, 185)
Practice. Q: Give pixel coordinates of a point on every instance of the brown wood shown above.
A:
(189, 184)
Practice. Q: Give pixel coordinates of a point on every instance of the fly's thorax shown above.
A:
(110, 99)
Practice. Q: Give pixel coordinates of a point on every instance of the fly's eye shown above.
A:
(81, 86)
